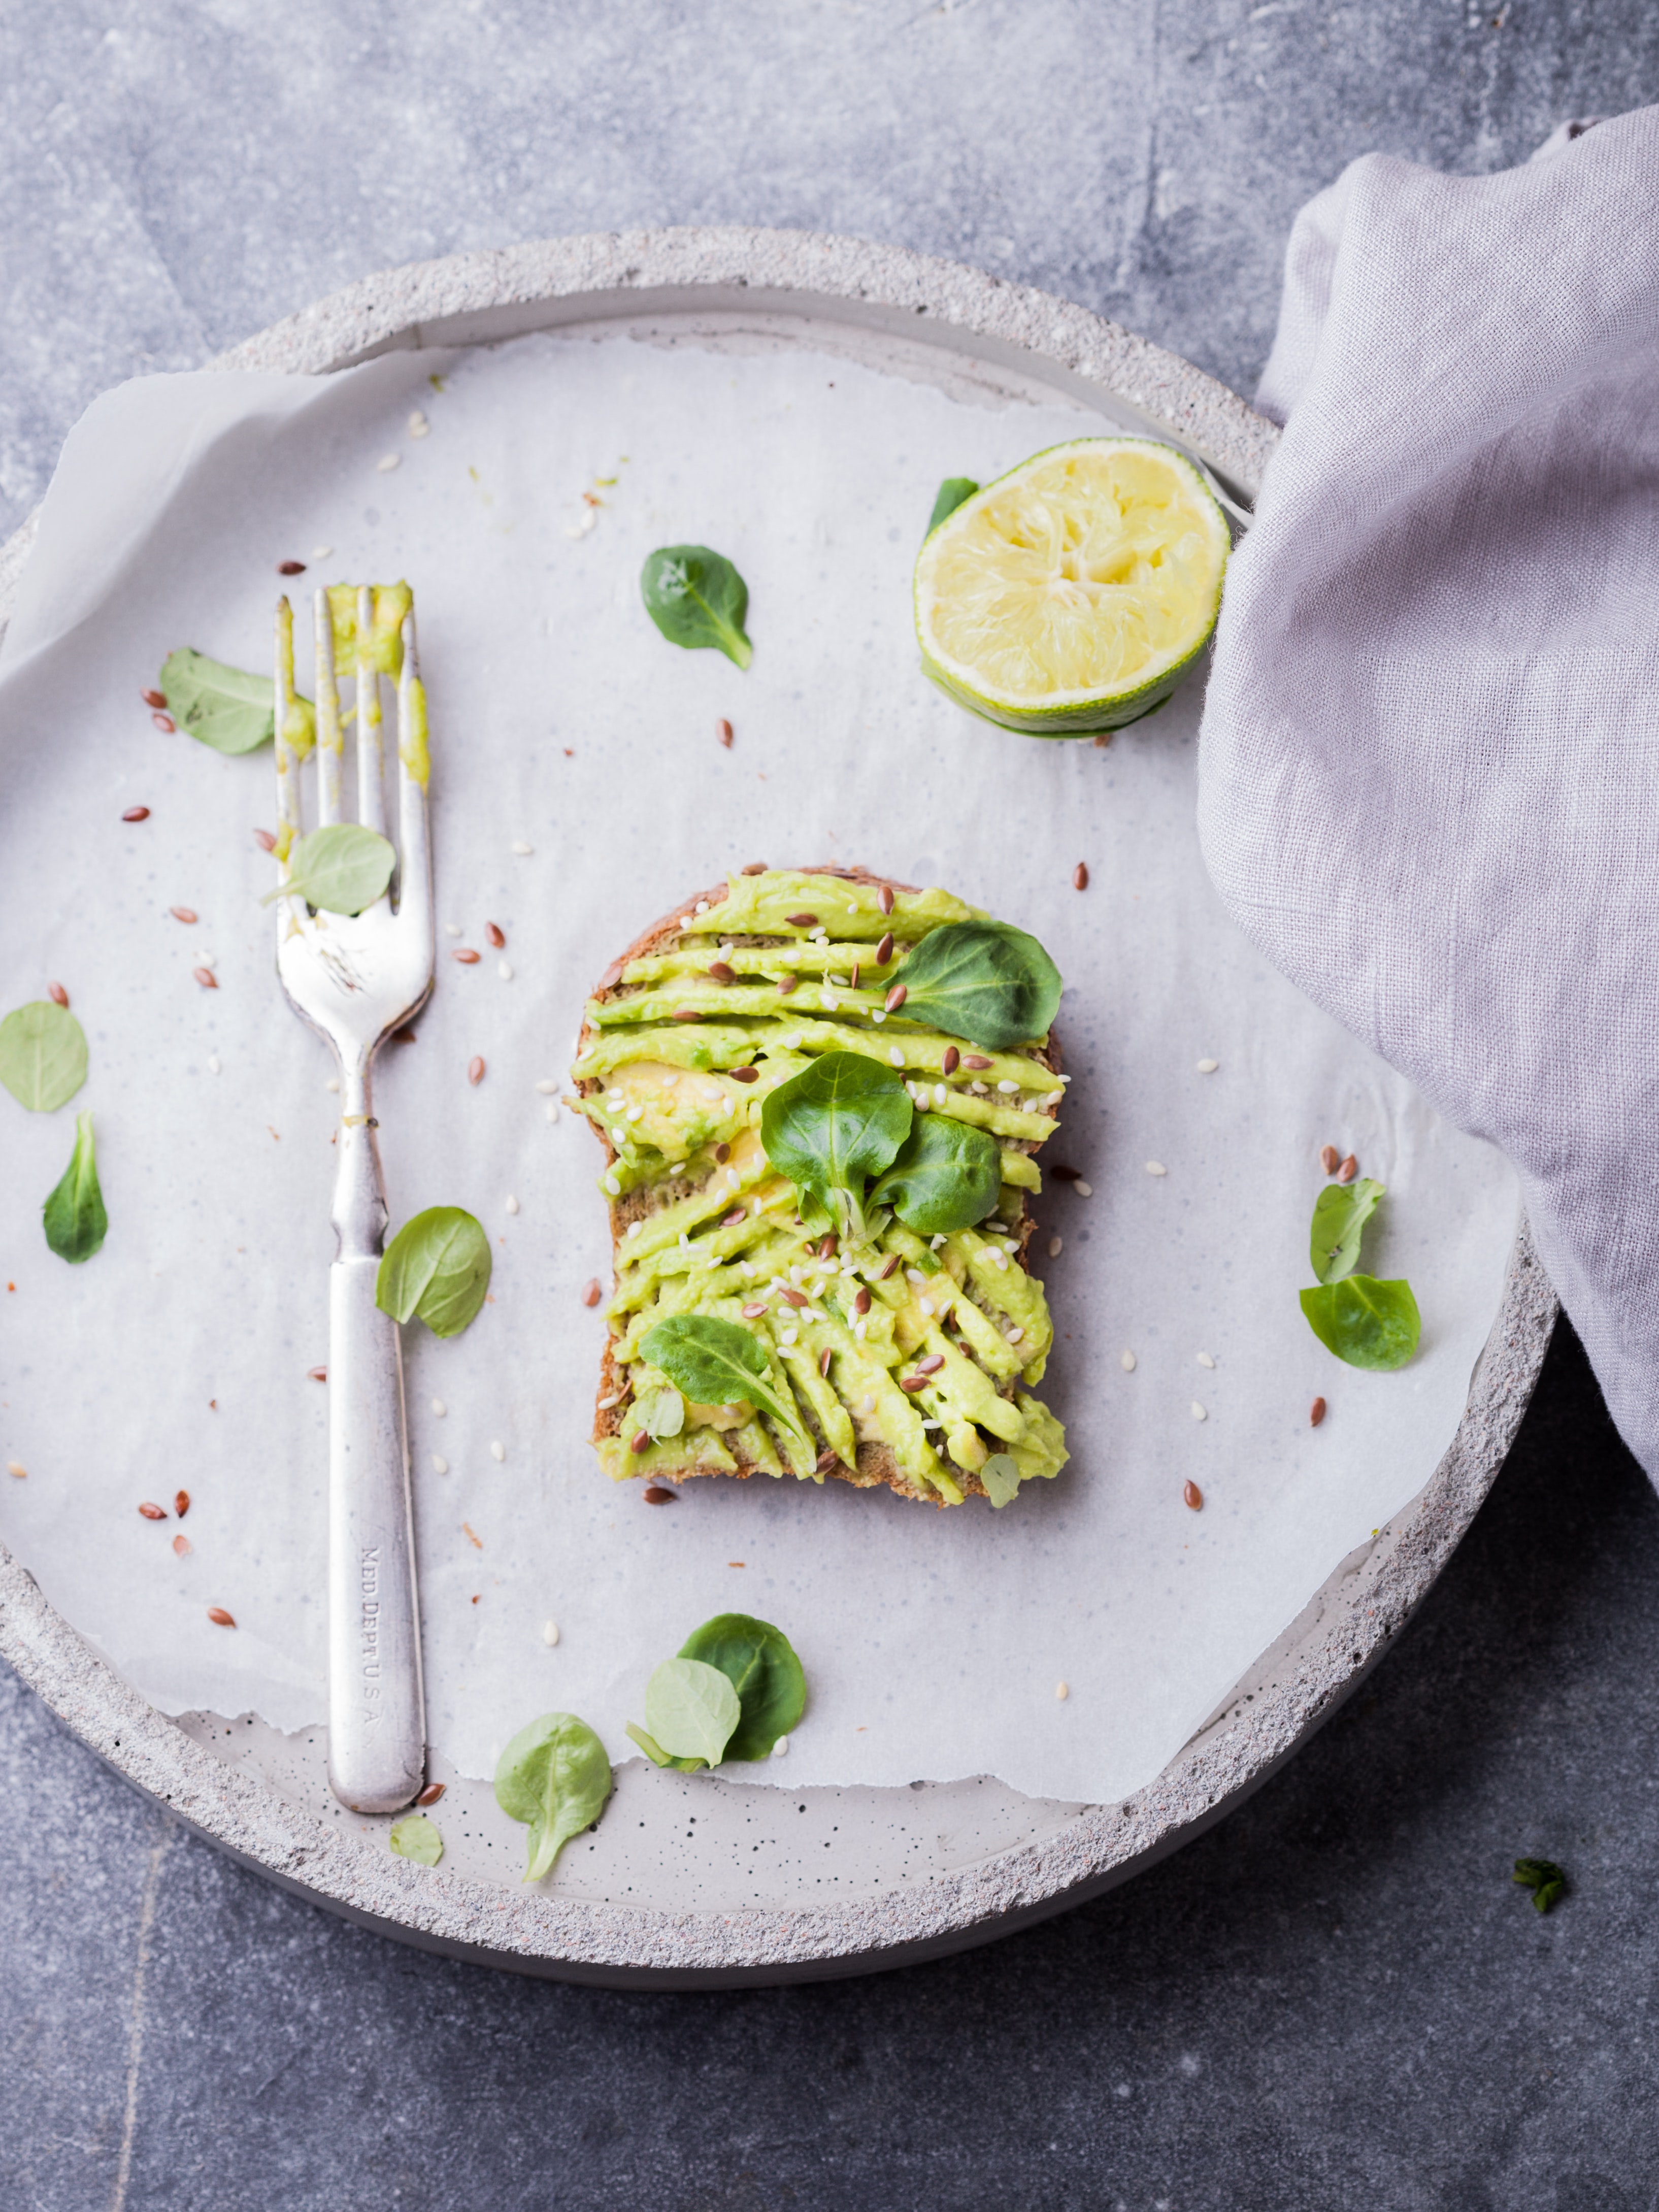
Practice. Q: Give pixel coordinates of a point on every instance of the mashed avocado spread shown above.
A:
(910, 1359)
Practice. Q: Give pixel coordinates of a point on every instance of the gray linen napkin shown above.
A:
(1428, 768)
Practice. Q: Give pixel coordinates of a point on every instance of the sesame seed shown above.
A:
(878, 1014)
(925, 1305)
(387, 462)
(1053, 1098)
(1005, 1085)
(895, 1054)
(701, 907)
(523, 850)
(213, 1063)
(1125, 1360)
(548, 1088)
(1205, 1360)
(913, 1275)
(439, 1407)
(440, 1466)
(1083, 1189)
(550, 1632)
(1197, 1412)
(321, 552)
(511, 1205)
(781, 1748)
(552, 1109)
(1208, 1067)
(418, 425)
(789, 1338)
(1156, 1168)
(498, 1450)
(612, 1186)
(504, 969)
(1055, 1245)
(1062, 1692)
(940, 1094)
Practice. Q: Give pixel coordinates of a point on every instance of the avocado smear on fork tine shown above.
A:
(881, 1353)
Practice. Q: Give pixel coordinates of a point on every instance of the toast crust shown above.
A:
(876, 1464)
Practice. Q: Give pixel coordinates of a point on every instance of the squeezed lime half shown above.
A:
(1073, 594)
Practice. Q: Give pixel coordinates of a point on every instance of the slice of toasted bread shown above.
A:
(643, 1183)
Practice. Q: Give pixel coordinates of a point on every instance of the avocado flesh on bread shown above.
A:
(702, 1223)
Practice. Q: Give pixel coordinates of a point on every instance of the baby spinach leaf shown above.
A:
(1546, 1881)
(985, 981)
(1000, 1475)
(716, 1362)
(948, 1175)
(840, 1120)
(417, 1839)
(951, 494)
(555, 1776)
(691, 1709)
(75, 1221)
(1340, 1213)
(760, 1663)
(654, 1751)
(226, 708)
(1366, 1322)
(437, 1268)
(661, 1414)
(342, 868)
(43, 1055)
(696, 598)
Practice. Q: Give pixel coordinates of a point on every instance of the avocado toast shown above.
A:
(880, 1353)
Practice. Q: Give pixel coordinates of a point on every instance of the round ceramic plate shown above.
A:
(853, 1878)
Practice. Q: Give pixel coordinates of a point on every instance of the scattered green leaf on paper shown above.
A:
(75, 1222)
(1364, 1321)
(985, 981)
(43, 1055)
(555, 1776)
(951, 494)
(342, 868)
(435, 1269)
(696, 598)
(417, 1839)
(226, 708)
(691, 1709)
(760, 1665)
(1340, 1213)
(717, 1363)
(1543, 1878)
(947, 1176)
(840, 1121)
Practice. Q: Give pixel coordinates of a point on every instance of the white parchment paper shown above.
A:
(934, 1642)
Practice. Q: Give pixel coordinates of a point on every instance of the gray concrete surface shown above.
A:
(1335, 2000)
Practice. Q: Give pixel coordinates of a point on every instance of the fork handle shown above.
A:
(377, 1724)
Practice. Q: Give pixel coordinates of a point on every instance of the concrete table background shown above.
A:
(1336, 1999)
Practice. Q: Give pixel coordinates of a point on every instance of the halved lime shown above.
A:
(1075, 593)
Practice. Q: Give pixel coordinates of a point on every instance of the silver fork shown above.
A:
(355, 979)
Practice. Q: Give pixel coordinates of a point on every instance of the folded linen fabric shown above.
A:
(1429, 783)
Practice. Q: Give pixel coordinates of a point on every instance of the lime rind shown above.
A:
(1081, 710)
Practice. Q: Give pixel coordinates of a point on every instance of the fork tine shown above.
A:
(287, 760)
(414, 767)
(371, 793)
(330, 737)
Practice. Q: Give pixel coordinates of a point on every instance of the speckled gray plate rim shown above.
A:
(622, 279)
